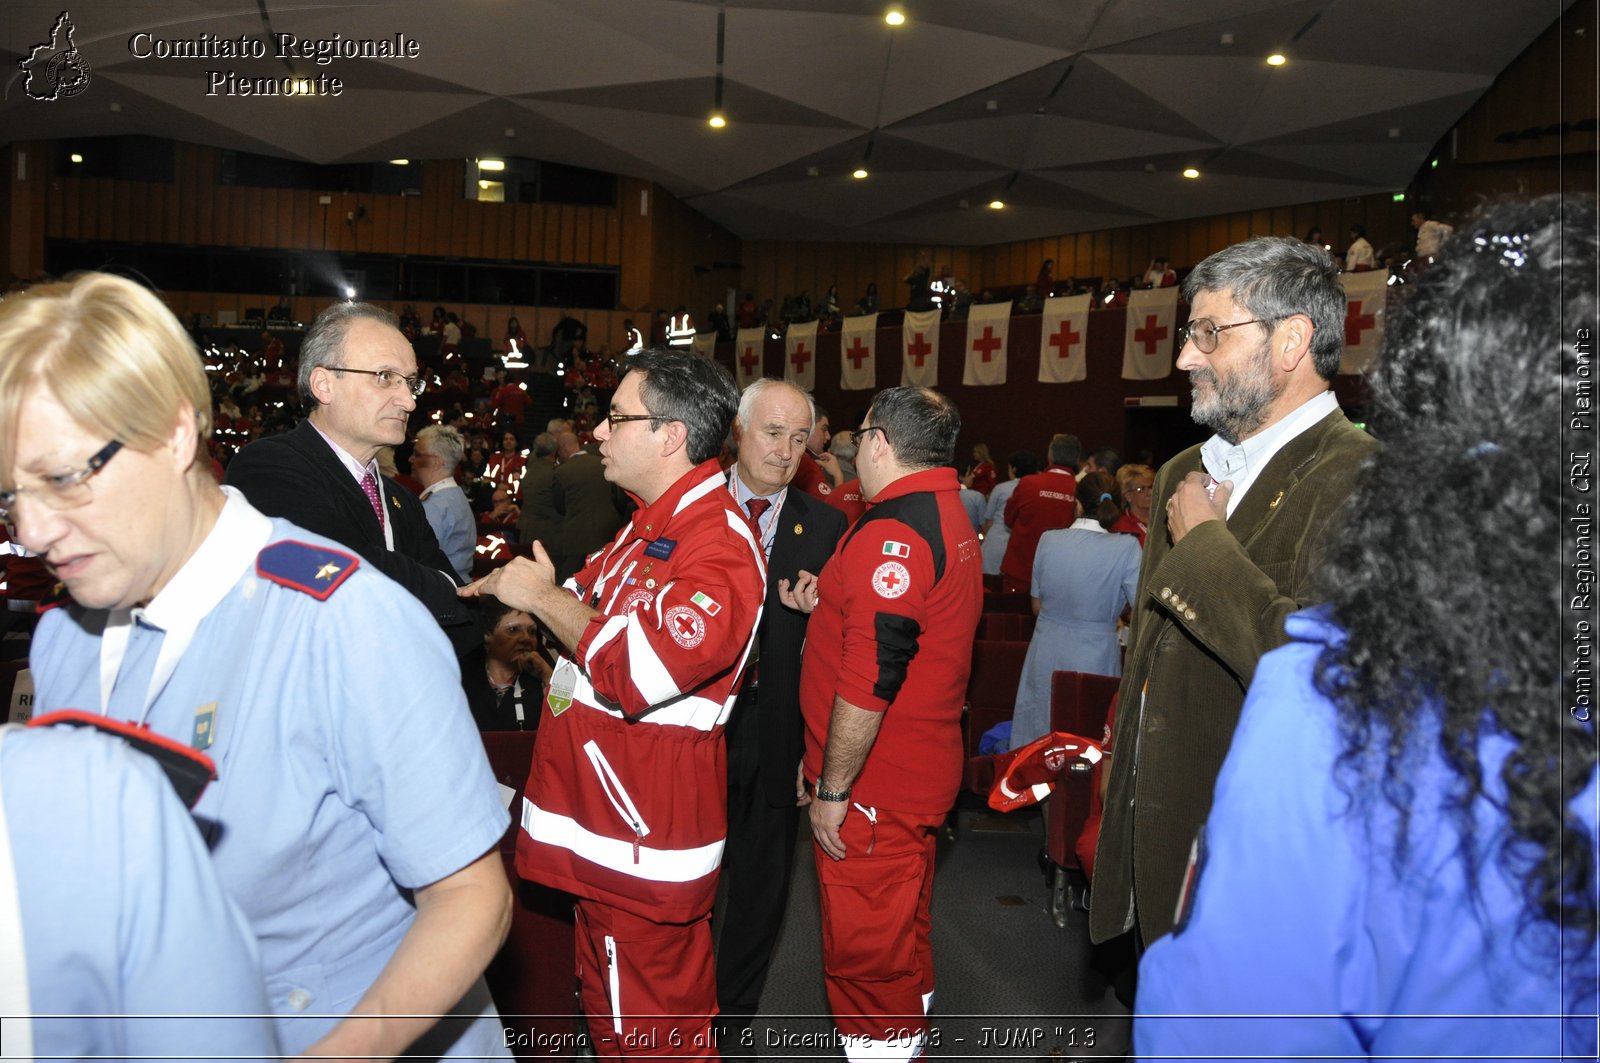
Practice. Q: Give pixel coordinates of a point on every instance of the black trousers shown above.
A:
(756, 865)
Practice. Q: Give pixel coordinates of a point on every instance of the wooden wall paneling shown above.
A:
(550, 236)
(166, 225)
(613, 238)
(104, 209)
(395, 228)
(521, 224)
(61, 216)
(1100, 255)
(1261, 222)
(1217, 234)
(1119, 250)
(567, 247)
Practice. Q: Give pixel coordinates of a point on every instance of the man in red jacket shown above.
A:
(1042, 502)
(626, 802)
(887, 656)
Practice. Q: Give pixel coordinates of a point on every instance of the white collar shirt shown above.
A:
(1242, 462)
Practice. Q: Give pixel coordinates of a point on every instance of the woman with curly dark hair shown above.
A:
(1401, 856)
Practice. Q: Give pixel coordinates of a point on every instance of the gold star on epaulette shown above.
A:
(328, 571)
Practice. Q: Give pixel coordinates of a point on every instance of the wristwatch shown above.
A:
(832, 795)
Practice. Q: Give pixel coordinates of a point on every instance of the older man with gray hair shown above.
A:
(358, 379)
(435, 456)
(1236, 526)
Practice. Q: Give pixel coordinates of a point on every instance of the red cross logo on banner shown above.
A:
(1355, 322)
(800, 357)
(1065, 339)
(1150, 335)
(919, 349)
(750, 360)
(987, 345)
(858, 352)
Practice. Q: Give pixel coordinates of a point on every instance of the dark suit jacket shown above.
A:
(1208, 608)
(590, 516)
(297, 476)
(808, 531)
(540, 519)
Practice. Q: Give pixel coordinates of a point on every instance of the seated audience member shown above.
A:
(354, 819)
(505, 681)
(1083, 579)
(996, 536)
(505, 464)
(1135, 483)
(503, 511)
(1158, 274)
(434, 459)
(126, 945)
(1400, 857)
(1045, 282)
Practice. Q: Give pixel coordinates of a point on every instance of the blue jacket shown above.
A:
(1303, 938)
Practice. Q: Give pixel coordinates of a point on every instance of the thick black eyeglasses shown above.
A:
(63, 490)
(864, 429)
(1204, 332)
(388, 378)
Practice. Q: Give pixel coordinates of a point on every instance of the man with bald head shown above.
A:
(358, 378)
(590, 509)
(765, 790)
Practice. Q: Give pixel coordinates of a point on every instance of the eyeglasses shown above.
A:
(1203, 332)
(63, 490)
(1138, 489)
(614, 419)
(864, 429)
(388, 378)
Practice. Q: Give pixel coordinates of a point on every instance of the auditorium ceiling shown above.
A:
(1075, 114)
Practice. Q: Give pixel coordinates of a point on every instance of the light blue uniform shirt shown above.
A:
(450, 515)
(122, 913)
(349, 769)
(1301, 924)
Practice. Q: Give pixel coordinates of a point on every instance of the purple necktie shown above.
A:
(370, 486)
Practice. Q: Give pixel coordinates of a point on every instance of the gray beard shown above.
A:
(1236, 407)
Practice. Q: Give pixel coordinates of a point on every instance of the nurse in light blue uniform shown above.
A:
(120, 910)
(354, 819)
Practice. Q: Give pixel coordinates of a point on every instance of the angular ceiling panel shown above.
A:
(1078, 113)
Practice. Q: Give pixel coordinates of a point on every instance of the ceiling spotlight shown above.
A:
(495, 165)
(859, 173)
(1277, 59)
(1191, 173)
(483, 184)
(76, 157)
(895, 16)
(399, 162)
(717, 120)
(995, 204)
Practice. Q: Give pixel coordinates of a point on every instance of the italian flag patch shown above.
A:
(894, 549)
(706, 602)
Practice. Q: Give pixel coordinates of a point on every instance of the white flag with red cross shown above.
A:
(800, 355)
(1062, 334)
(748, 350)
(919, 359)
(1150, 336)
(705, 345)
(988, 325)
(1365, 295)
(858, 343)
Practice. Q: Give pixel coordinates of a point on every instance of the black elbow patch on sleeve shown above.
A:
(897, 644)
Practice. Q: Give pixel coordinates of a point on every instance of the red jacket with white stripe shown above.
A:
(626, 802)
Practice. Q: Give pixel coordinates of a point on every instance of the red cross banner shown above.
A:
(1365, 295)
(858, 342)
(800, 355)
(748, 348)
(988, 324)
(1061, 340)
(705, 345)
(1151, 336)
(919, 336)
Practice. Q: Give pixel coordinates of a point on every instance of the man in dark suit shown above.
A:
(540, 520)
(589, 506)
(765, 792)
(358, 376)
(1237, 524)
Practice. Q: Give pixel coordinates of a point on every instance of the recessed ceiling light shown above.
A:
(495, 165)
(76, 157)
(996, 204)
(1277, 59)
(859, 173)
(399, 162)
(895, 16)
(717, 120)
(1191, 173)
